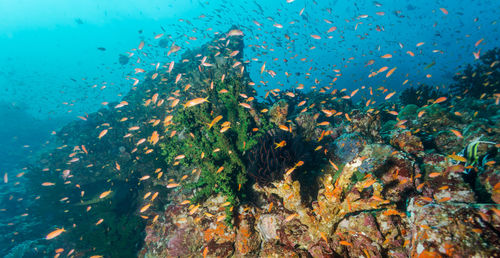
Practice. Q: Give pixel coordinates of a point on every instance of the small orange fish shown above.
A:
(103, 132)
(55, 233)
(439, 100)
(174, 102)
(290, 217)
(478, 42)
(195, 102)
(386, 56)
(245, 105)
(172, 185)
(457, 133)
(345, 243)
(390, 95)
(434, 174)
(333, 164)
(445, 12)
(457, 158)
(145, 208)
(444, 199)
(425, 198)
(284, 127)
(104, 194)
(390, 72)
(214, 121)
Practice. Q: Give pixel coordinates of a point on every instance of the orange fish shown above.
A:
(457, 133)
(445, 12)
(390, 95)
(457, 158)
(145, 208)
(290, 217)
(172, 185)
(434, 174)
(441, 99)
(345, 243)
(333, 164)
(195, 102)
(104, 194)
(245, 105)
(55, 233)
(284, 127)
(390, 72)
(386, 56)
(154, 138)
(444, 199)
(103, 132)
(478, 42)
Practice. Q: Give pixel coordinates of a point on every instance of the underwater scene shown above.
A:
(284, 128)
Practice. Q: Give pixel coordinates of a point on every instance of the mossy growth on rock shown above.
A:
(215, 150)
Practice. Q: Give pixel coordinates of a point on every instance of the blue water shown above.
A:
(60, 59)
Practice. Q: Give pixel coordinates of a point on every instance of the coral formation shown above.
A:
(194, 165)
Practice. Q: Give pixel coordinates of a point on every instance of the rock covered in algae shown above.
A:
(279, 112)
(406, 141)
(453, 230)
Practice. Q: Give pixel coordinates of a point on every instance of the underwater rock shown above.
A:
(278, 251)
(443, 181)
(490, 180)
(370, 241)
(347, 146)
(393, 167)
(279, 112)
(367, 124)
(307, 125)
(406, 141)
(453, 230)
(247, 240)
(268, 226)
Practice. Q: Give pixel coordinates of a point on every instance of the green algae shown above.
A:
(219, 155)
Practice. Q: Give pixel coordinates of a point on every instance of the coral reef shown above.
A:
(191, 164)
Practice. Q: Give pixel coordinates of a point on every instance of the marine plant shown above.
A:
(216, 150)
